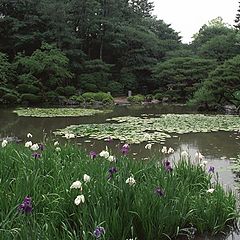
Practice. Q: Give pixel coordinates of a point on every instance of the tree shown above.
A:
(20, 26)
(237, 19)
(178, 78)
(7, 74)
(220, 47)
(142, 8)
(222, 86)
(96, 76)
(47, 66)
(215, 27)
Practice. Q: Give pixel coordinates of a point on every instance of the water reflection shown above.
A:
(217, 147)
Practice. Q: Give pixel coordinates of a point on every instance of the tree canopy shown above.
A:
(52, 48)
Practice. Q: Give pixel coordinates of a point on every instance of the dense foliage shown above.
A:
(54, 49)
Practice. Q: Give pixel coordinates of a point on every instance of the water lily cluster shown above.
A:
(153, 129)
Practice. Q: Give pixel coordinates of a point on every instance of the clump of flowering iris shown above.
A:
(148, 146)
(86, 178)
(211, 169)
(131, 181)
(159, 191)
(93, 154)
(211, 190)
(34, 147)
(184, 155)
(125, 149)
(99, 232)
(198, 157)
(167, 166)
(76, 185)
(36, 155)
(79, 199)
(111, 172)
(41, 146)
(4, 143)
(104, 154)
(28, 144)
(29, 135)
(26, 206)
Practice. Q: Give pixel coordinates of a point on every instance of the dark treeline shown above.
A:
(52, 48)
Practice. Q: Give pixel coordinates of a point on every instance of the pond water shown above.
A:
(219, 148)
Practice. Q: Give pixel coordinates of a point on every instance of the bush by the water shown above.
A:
(30, 98)
(27, 88)
(91, 97)
(59, 192)
(136, 98)
(10, 98)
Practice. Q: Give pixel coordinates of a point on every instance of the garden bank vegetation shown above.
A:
(51, 51)
(57, 191)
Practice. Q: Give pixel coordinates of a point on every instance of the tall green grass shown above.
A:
(124, 211)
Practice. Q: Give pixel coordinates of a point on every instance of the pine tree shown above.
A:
(237, 20)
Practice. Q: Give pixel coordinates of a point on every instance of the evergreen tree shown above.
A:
(237, 20)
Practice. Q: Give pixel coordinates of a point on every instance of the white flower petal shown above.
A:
(86, 178)
(76, 185)
(4, 143)
(29, 135)
(34, 147)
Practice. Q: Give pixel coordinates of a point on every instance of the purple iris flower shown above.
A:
(125, 149)
(111, 171)
(93, 154)
(159, 191)
(26, 206)
(211, 169)
(98, 232)
(36, 155)
(167, 166)
(41, 146)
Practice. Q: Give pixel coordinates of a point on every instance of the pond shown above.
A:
(220, 148)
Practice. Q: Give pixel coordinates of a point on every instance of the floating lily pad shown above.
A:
(154, 129)
(57, 112)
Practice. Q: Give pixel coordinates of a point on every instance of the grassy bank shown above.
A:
(115, 200)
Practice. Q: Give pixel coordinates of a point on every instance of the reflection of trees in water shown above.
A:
(212, 144)
(216, 144)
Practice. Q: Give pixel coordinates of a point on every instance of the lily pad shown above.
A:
(57, 112)
(154, 129)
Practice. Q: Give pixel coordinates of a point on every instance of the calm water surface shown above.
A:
(219, 148)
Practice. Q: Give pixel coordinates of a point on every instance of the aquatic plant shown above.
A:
(153, 129)
(123, 199)
(57, 112)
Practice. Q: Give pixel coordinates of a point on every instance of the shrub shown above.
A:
(5, 90)
(103, 97)
(89, 96)
(78, 99)
(136, 98)
(158, 96)
(69, 91)
(30, 98)
(10, 98)
(149, 98)
(60, 91)
(26, 88)
(51, 96)
(90, 87)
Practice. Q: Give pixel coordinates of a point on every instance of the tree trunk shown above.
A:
(101, 49)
